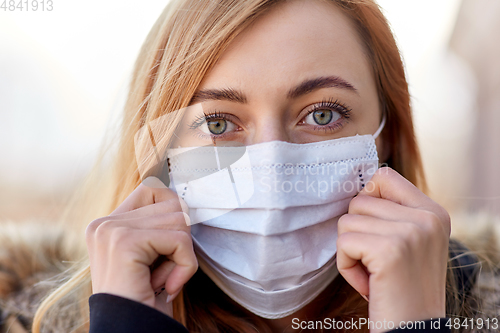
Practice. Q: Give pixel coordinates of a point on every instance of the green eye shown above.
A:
(217, 127)
(322, 117)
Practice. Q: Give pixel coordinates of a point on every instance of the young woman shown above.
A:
(299, 72)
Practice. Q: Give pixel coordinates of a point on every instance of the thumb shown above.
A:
(160, 274)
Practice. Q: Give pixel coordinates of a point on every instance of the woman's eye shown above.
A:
(322, 117)
(217, 126)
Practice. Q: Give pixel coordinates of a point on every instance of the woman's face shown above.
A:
(298, 74)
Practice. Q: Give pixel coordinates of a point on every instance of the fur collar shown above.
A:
(33, 257)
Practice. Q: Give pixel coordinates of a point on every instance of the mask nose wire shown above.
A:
(380, 128)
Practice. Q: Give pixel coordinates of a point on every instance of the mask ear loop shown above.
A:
(380, 128)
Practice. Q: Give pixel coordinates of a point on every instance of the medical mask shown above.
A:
(264, 217)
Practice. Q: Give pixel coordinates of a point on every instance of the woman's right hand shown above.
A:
(122, 247)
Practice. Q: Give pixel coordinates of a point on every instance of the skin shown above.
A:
(393, 241)
(293, 43)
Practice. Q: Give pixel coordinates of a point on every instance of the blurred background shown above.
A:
(64, 75)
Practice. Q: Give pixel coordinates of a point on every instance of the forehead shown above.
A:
(295, 40)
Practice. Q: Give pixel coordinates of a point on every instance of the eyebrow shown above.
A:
(306, 87)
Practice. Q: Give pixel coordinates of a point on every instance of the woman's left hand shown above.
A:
(393, 246)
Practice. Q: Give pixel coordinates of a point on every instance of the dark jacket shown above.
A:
(109, 313)
(31, 267)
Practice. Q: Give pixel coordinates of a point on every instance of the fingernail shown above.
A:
(365, 297)
(187, 219)
(170, 298)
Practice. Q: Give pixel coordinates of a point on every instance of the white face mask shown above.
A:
(264, 217)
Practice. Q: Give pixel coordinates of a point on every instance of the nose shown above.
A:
(269, 127)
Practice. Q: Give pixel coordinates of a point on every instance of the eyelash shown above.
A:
(206, 117)
(330, 104)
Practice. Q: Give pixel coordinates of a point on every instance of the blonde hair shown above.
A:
(183, 45)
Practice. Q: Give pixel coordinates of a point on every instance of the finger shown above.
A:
(355, 252)
(178, 278)
(386, 183)
(170, 298)
(383, 209)
(162, 207)
(178, 247)
(373, 225)
(168, 221)
(144, 195)
(160, 275)
(356, 276)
